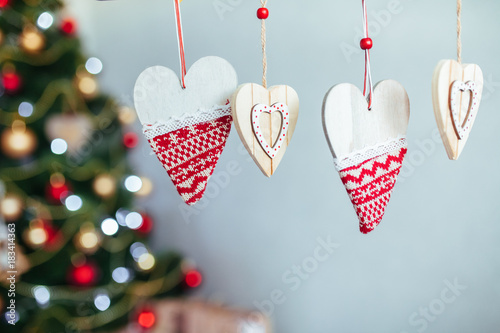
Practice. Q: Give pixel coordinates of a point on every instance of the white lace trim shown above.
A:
(174, 123)
(367, 153)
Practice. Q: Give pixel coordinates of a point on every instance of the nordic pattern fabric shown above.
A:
(369, 185)
(190, 154)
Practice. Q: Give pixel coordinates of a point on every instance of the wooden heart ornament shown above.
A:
(265, 121)
(368, 146)
(456, 96)
(187, 128)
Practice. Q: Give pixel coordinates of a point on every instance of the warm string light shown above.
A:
(87, 86)
(42, 234)
(18, 141)
(31, 40)
(11, 207)
(86, 83)
(87, 240)
(104, 186)
(146, 188)
(146, 261)
(36, 236)
(126, 115)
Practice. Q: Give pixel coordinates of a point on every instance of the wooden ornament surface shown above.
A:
(445, 74)
(349, 125)
(245, 98)
(158, 94)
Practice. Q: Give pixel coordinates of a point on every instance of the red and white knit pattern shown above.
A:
(370, 183)
(190, 153)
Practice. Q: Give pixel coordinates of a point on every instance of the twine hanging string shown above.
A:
(459, 31)
(180, 40)
(263, 40)
(368, 84)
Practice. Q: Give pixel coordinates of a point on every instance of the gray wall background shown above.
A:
(442, 224)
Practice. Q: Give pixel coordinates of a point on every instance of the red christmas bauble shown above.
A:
(130, 140)
(84, 276)
(193, 278)
(366, 43)
(12, 82)
(146, 319)
(54, 237)
(4, 3)
(146, 226)
(263, 13)
(68, 26)
(56, 193)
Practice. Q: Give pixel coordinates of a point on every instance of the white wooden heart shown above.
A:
(368, 145)
(270, 148)
(455, 115)
(245, 101)
(158, 94)
(350, 127)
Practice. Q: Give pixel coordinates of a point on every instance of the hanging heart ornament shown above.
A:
(368, 145)
(456, 93)
(187, 128)
(265, 136)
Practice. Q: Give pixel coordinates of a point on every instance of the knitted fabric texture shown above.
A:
(189, 148)
(369, 183)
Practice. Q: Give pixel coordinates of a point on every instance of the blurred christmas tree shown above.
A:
(65, 187)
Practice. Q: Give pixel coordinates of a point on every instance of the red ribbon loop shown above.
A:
(180, 40)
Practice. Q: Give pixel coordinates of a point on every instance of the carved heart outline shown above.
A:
(461, 87)
(257, 110)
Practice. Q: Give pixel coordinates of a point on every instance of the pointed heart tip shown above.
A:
(366, 228)
(191, 203)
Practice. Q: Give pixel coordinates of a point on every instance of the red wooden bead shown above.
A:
(366, 43)
(262, 13)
